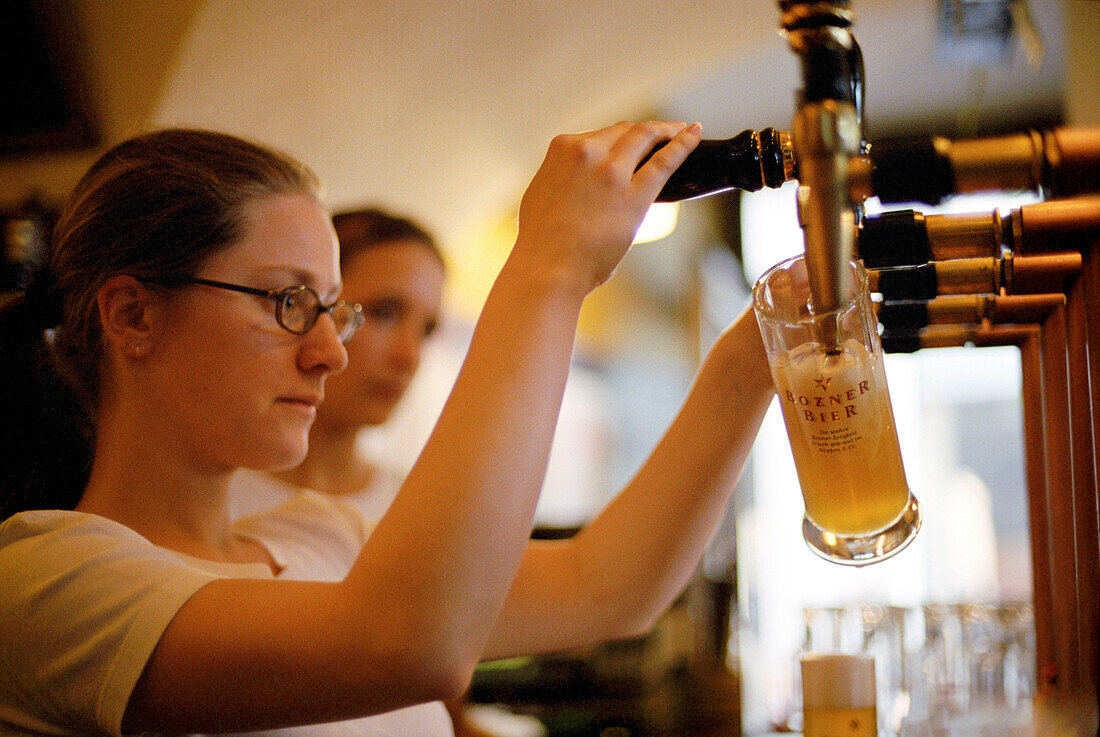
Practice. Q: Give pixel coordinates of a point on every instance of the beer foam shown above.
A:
(837, 680)
(812, 361)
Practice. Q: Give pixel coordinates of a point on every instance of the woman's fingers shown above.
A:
(590, 194)
(638, 139)
(670, 144)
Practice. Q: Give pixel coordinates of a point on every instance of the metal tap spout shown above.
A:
(827, 136)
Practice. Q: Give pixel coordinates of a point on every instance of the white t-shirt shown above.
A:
(253, 492)
(84, 600)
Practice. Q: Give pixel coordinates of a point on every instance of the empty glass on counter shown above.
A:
(831, 384)
(977, 663)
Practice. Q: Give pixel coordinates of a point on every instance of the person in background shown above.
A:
(395, 269)
(191, 312)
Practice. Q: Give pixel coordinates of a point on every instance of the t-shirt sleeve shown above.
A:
(83, 603)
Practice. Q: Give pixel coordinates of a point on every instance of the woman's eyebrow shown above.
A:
(293, 276)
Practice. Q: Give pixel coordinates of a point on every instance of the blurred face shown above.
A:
(400, 286)
(238, 389)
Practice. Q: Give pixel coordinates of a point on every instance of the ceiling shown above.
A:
(443, 109)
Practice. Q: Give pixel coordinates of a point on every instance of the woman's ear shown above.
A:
(131, 314)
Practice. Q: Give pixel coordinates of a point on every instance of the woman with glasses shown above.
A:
(176, 338)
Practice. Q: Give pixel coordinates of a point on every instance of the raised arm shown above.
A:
(619, 573)
(413, 617)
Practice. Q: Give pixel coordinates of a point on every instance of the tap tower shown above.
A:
(826, 135)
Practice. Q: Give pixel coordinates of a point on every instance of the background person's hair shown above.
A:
(364, 228)
(154, 207)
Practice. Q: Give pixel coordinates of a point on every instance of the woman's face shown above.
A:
(239, 390)
(400, 286)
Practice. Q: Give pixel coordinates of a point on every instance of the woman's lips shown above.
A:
(304, 405)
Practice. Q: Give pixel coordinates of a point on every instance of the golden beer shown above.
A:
(838, 695)
(839, 721)
(836, 407)
(831, 385)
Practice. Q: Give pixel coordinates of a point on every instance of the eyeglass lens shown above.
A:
(299, 307)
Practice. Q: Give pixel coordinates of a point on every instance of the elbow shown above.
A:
(639, 625)
(402, 668)
(447, 682)
(440, 673)
(624, 620)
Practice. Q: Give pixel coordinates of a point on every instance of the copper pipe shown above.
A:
(1035, 456)
(1075, 157)
(1085, 354)
(1039, 274)
(1060, 506)
(1091, 280)
(1084, 479)
(967, 309)
(1010, 274)
(1058, 225)
(1061, 225)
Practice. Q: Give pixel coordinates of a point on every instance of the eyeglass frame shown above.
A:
(280, 295)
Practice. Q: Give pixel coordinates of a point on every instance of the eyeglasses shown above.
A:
(298, 308)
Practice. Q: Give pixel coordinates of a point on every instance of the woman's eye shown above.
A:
(383, 311)
(430, 328)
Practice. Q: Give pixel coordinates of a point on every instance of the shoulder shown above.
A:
(29, 528)
(83, 602)
(60, 539)
(59, 558)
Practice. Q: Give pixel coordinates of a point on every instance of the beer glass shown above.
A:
(838, 695)
(831, 385)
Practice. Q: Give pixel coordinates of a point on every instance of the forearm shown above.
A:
(625, 567)
(640, 552)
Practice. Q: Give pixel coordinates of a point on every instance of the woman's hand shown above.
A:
(585, 203)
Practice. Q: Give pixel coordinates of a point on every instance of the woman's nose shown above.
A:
(322, 349)
(405, 345)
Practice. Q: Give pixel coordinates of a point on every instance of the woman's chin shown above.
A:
(287, 454)
(366, 416)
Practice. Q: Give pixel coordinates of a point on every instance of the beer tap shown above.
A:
(826, 135)
(1056, 163)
